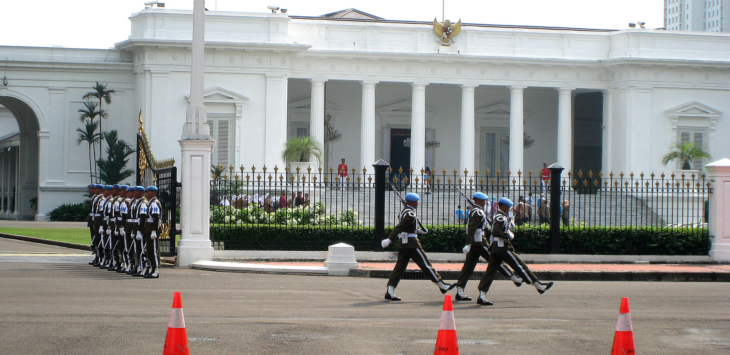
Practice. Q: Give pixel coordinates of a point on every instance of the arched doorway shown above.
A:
(24, 162)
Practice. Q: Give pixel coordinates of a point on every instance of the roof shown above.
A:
(356, 15)
(351, 14)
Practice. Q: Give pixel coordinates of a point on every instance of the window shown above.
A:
(697, 136)
(497, 152)
(221, 128)
(302, 132)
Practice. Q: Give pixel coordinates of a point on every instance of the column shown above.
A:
(516, 129)
(367, 124)
(29, 188)
(719, 174)
(418, 128)
(3, 178)
(316, 113)
(565, 128)
(276, 105)
(607, 132)
(467, 128)
(16, 182)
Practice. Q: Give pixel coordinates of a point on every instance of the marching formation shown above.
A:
(124, 223)
(486, 238)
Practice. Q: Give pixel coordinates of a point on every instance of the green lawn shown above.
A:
(70, 235)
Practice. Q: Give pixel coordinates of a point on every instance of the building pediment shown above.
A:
(219, 95)
(694, 109)
(401, 110)
(300, 110)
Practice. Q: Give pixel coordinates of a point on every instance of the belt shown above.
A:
(133, 220)
(150, 220)
(119, 218)
(97, 214)
(91, 215)
(404, 237)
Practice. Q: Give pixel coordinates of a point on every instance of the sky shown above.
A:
(101, 23)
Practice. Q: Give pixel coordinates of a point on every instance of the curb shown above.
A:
(574, 275)
(46, 241)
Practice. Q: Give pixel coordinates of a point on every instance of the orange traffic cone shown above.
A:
(623, 341)
(446, 342)
(176, 342)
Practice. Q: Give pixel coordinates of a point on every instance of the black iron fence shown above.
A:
(310, 210)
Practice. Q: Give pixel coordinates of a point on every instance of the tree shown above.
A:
(101, 93)
(112, 169)
(89, 135)
(686, 152)
(88, 115)
(300, 149)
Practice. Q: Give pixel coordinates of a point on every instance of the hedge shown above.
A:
(450, 239)
(77, 212)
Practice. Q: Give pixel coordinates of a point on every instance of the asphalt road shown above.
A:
(68, 307)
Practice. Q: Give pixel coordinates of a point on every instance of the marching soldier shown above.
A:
(95, 195)
(476, 246)
(409, 247)
(501, 250)
(100, 223)
(140, 268)
(149, 216)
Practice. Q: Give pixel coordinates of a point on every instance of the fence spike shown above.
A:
(600, 174)
(580, 174)
(530, 173)
(264, 168)
(225, 176)
(370, 179)
(481, 181)
(297, 169)
(610, 175)
(405, 180)
(390, 170)
(309, 169)
(258, 177)
(291, 178)
(499, 172)
(444, 172)
(466, 172)
(487, 172)
(325, 178)
(276, 169)
(449, 180)
(304, 178)
(585, 182)
(524, 182)
(400, 170)
(248, 177)
(319, 169)
(364, 170)
(590, 174)
(332, 170)
(410, 171)
(476, 172)
(491, 181)
(314, 178)
(459, 181)
(241, 168)
(455, 172)
(641, 175)
(575, 182)
(631, 175)
(422, 171)
(237, 177)
(230, 168)
(353, 170)
(281, 178)
(471, 181)
(438, 180)
(519, 173)
(509, 173)
(270, 177)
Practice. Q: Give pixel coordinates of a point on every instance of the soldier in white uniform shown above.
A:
(103, 222)
(95, 193)
(149, 215)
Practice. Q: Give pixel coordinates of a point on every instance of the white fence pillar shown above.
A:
(719, 171)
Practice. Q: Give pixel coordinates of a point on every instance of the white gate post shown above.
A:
(196, 144)
(719, 221)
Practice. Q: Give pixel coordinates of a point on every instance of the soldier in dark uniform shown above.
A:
(95, 195)
(409, 247)
(101, 224)
(112, 209)
(150, 215)
(130, 228)
(139, 259)
(476, 246)
(122, 215)
(501, 250)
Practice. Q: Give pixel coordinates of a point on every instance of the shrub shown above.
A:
(78, 212)
(451, 238)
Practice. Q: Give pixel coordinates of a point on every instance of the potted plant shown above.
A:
(298, 153)
(686, 153)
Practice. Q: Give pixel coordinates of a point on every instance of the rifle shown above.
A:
(403, 201)
(474, 205)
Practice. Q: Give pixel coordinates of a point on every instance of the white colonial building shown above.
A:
(587, 99)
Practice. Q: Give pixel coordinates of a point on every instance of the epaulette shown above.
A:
(499, 218)
(410, 214)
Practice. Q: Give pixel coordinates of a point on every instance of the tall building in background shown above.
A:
(697, 15)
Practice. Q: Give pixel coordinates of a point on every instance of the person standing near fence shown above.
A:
(409, 247)
(544, 177)
(342, 173)
(565, 213)
(501, 250)
(476, 246)
(543, 212)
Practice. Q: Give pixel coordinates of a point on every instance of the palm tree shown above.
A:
(112, 170)
(89, 135)
(88, 115)
(100, 92)
(685, 152)
(300, 149)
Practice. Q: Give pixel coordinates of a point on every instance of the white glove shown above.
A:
(122, 232)
(101, 230)
(466, 249)
(385, 243)
(139, 235)
(153, 235)
(108, 231)
(511, 235)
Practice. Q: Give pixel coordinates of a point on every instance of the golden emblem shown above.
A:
(446, 31)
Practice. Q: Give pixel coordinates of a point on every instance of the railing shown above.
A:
(343, 207)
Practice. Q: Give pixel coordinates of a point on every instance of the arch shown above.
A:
(30, 125)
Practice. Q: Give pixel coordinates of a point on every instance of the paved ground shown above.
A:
(68, 307)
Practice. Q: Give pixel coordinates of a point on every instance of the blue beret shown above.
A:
(505, 201)
(412, 197)
(116, 186)
(124, 187)
(91, 186)
(480, 196)
(107, 187)
(139, 188)
(98, 186)
(152, 188)
(130, 188)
